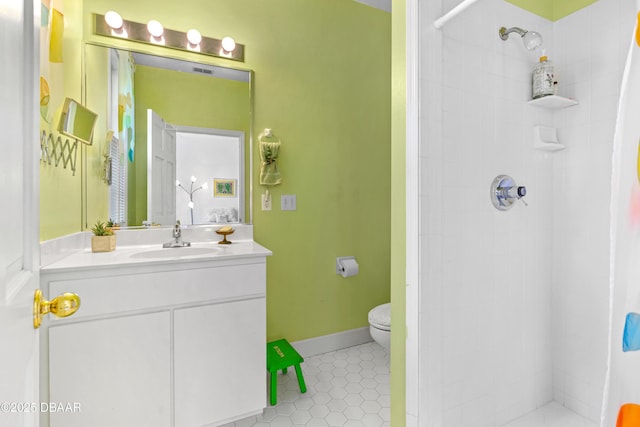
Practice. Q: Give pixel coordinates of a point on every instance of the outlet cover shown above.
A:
(266, 202)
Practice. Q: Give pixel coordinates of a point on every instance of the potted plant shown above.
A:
(103, 239)
(112, 225)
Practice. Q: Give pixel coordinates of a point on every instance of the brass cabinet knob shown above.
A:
(62, 306)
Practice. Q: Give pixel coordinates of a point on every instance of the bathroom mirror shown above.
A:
(77, 121)
(176, 139)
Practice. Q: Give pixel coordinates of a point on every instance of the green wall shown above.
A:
(182, 99)
(60, 202)
(552, 9)
(96, 63)
(323, 84)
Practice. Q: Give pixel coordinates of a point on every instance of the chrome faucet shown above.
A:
(177, 238)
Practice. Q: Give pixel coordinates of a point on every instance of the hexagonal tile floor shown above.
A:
(348, 387)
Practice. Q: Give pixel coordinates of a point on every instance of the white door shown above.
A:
(19, 213)
(161, 170)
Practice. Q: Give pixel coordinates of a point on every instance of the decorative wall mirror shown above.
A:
(172, 133)
(77, 122)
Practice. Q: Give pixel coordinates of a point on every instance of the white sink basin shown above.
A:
(173, 253)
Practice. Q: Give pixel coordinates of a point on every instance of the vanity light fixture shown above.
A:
(156, 30)
(116, 23)
(113, 19)
(228, 44)
(194, 38)
(153, 33)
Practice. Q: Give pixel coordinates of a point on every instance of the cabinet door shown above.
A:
(117, 370)
(220, 362)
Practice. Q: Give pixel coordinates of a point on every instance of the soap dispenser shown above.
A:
(543, 77)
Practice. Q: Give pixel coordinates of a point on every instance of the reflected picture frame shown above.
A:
(224, 187)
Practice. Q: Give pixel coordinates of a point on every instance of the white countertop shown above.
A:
(155, 254)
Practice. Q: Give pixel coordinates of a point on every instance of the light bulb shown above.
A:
(228, 44)
(155, 28)
(205, 185)
(193, 179)
(113, 19)
(194, 37)
(190, 205)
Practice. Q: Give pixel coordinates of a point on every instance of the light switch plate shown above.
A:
(288, 202)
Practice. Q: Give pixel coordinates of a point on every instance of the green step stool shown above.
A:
(280, 356)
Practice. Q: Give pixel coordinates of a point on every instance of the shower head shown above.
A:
(531, 39)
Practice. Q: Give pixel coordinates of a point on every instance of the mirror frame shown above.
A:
(241, 167)
(170, 55)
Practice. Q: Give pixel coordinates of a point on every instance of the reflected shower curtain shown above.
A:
(126, 103)
(622, 386)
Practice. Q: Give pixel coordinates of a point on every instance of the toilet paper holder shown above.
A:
(340, 268)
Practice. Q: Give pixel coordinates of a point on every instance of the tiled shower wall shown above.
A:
(486, 274)
(514, 304)
(590, 51)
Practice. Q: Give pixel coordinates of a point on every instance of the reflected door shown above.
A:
(161, 170)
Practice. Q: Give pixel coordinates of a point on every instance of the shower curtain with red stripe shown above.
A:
(621, 406)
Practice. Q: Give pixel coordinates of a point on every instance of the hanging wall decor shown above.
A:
(269, 152)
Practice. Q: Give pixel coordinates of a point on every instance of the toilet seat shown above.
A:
(380, 317)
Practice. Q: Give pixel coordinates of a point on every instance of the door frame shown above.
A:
(31, 167)
(241, 184)
(415, 387)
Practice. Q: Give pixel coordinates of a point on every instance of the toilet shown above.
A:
(380, 324)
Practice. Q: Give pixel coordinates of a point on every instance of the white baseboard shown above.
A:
(332, 342)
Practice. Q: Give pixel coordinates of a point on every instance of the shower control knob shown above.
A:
(505, 192)
(522, 191)
(514, 192)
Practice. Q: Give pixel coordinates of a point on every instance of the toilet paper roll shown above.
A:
(349, 268)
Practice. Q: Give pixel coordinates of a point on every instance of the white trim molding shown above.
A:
(412, 297)
(332, 342)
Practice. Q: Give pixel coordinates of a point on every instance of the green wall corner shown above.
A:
(552, 10)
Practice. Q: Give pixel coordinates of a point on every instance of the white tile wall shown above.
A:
(591, 47)
(488, 282)
(514, 304)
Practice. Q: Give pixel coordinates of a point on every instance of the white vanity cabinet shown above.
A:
(176, 344)
(118, 371)
(215, 377)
